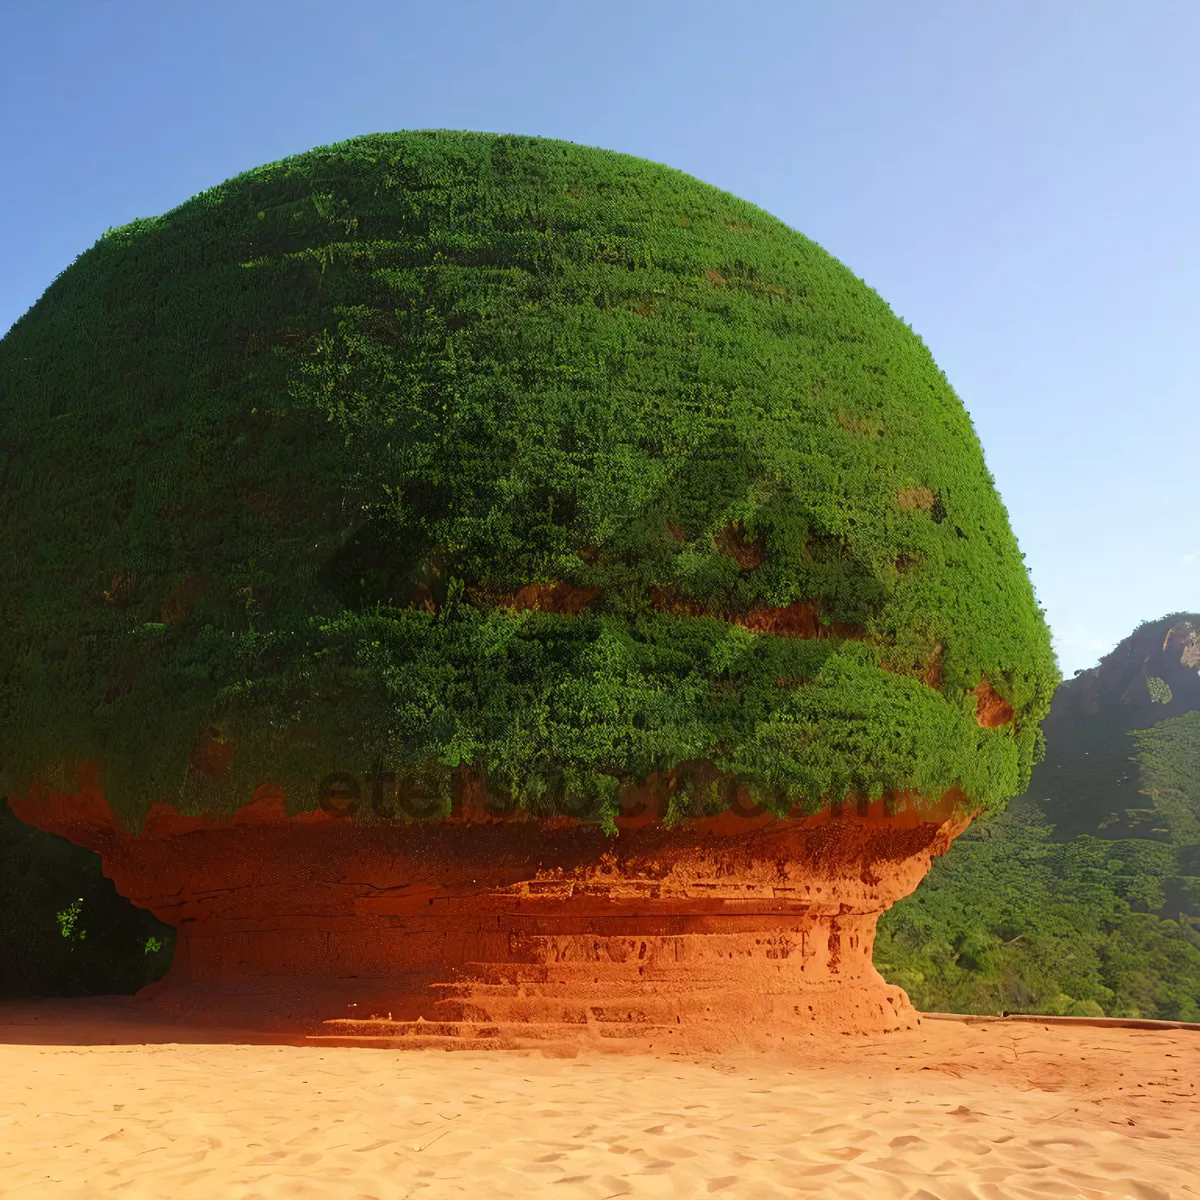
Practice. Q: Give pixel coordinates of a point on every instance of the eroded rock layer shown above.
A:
(733, 930)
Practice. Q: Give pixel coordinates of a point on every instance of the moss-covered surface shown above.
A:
(274, 465)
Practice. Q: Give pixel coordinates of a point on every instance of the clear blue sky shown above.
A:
(1019, 180)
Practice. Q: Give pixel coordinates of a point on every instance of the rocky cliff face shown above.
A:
(1089, 782)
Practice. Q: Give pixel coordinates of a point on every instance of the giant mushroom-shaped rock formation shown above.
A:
(508, 585)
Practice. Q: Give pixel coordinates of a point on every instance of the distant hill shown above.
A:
(1092, 779)
(1083, 896)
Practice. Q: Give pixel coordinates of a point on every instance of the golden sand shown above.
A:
(92, 1103)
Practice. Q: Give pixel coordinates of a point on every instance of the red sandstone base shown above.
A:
(738, 930)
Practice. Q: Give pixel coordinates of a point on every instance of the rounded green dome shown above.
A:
(437, 450)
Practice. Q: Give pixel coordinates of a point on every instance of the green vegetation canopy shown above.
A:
(275, 466)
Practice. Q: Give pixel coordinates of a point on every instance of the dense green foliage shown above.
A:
(274, 464)
(1168, 758)
(1085, 893)
(1011, 921)
(1090, 781)
(64, 930)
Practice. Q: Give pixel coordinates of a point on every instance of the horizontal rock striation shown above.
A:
(741, 929)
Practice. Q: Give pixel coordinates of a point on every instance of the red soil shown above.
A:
(557, 597)
(740, 929)
(991, 710)
(798, 620)
(731, 540)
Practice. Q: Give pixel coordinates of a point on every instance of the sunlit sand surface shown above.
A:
(949, 1110)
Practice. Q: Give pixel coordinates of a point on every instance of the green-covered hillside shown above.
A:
(1084, 895)
(279, 468)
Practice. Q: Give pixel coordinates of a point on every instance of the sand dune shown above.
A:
(951, 1110)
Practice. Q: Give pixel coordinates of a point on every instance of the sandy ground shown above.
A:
(94, 1103)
